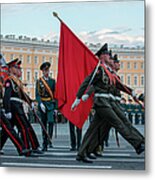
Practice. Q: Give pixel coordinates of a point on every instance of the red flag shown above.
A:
(76, 61)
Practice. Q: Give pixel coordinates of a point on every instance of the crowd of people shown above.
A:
(109, 109)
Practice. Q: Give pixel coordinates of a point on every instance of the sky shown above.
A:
(115, 22)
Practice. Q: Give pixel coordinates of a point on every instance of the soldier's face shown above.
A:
(19, 72)
(111, 63)
(13, 70)
(117, 66)
(46, 72)
(104, 58)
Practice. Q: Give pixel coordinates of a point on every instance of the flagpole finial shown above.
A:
(56, 15)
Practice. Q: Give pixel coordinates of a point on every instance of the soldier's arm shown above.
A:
(85, 84)
(7, 96)
(38, 98)
(123, 87)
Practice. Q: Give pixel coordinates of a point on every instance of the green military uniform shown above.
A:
(130, 110)
(107, 114)
(43, 96)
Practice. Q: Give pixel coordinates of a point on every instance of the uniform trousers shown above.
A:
(24, 127)
(8, 131)
(106, 117)
(75, 136)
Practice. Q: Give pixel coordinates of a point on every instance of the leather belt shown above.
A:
(46, 99)
(17, 99)
(101, 95)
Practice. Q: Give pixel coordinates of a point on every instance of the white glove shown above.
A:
(133, 94)
(75, 104)
(55, 111)
(85, 97)
(8, 115)
(43, 108)
(32, 105)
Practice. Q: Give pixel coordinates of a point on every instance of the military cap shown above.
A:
(110, 54)
(103, 50)
(141, 97)
(12, 62)
(45, 65)
(115, 58)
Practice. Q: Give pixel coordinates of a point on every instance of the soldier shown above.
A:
(8, 130)
(45, 88)
(14, 98)
(105, 113)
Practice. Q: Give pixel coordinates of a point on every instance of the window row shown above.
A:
(135, 81)
(32, 77)
(29, 58)
(130, 65)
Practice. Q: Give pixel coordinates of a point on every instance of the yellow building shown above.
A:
(33, 53)
(132, 69)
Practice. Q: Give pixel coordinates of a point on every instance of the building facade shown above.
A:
(33, 53)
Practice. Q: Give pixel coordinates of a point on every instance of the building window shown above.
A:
(142, 81)
(128, 79)
(122, 78)
(51, 60)
(51, 74)
(128, 65)
(35, 59)
(36, 75)
(20, 57)
(142, 65)
(135, 65)
(43, 59)
(28, 59)
(122, 65)
(28, 76)
(135, 80)
(12, 56)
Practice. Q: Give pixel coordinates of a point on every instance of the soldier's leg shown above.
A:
(121, 115)
(32, 135)
(79, 136)
(104, 129)
(120, 126)
(50, 132)
(72, 136)
(44, 136)
(22, 127)
(8, 131)
(89, 135)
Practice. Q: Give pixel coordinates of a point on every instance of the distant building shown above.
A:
(33, 53)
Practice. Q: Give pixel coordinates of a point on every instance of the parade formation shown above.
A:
(109, 109)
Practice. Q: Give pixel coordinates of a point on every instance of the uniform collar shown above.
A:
(46, 78)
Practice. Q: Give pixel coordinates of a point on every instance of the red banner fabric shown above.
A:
(76, 61)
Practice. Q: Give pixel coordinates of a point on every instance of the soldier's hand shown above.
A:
(75, 104)
(32, 106)
(85, 97)
(43, 108)
(8, 115)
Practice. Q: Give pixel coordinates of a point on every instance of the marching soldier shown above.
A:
(45, 88)
(105, 110)
(14, 98)
(8, 130)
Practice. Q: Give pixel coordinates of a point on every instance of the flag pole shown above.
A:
(56, 15)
